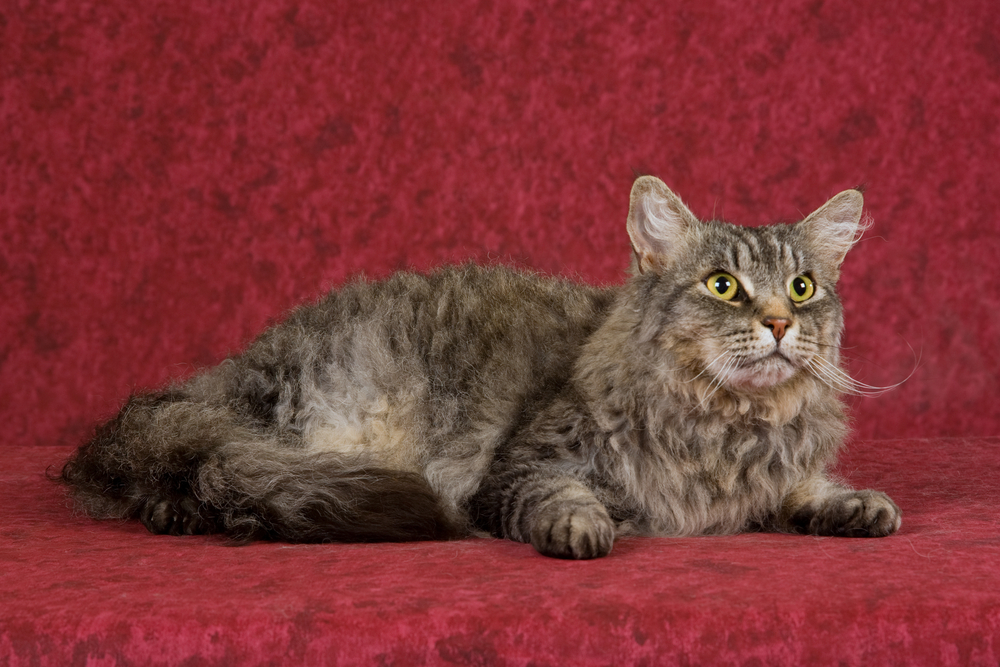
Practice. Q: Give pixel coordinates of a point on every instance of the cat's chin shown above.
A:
(761, 375)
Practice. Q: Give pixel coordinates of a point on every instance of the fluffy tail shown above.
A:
(183, 467)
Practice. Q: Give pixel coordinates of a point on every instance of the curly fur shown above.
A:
(484, 399)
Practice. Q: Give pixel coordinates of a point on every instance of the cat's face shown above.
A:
(751, 307)
(747, 309)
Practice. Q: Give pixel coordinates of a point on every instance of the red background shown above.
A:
(175, 175)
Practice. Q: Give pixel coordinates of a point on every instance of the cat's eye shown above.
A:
(801, 288)
(723, 286)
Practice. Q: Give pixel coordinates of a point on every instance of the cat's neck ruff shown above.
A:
(777, 405)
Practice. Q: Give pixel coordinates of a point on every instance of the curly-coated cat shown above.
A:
(702, 396)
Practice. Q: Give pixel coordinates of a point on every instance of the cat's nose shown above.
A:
(777, 325)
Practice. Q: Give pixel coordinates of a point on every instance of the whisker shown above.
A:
(721, 376)
(859, 357)
(707, 366)
(837, 379)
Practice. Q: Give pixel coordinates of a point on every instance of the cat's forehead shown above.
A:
(758, 251)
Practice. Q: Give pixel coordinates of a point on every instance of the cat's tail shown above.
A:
(184, 467)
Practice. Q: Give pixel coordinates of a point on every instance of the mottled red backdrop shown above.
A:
(174, 174)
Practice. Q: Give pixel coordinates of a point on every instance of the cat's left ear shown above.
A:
(658, 223)
(832, 229)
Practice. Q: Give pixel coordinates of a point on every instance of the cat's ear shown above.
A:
(658, 223)
(832, 229)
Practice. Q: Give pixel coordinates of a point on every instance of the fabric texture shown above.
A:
(80, 592)
(174, 175)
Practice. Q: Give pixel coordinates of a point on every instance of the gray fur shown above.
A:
(426, 407)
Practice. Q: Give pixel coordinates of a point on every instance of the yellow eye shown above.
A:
(801, 288)
(723, 286)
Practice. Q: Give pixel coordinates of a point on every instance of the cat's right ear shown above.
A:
(658, 223)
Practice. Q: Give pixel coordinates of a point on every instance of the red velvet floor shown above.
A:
(81, 592)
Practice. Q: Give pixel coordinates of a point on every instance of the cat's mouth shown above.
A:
(761, 373)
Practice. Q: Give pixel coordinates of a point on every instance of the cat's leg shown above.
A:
(559, 515)
(819, 506)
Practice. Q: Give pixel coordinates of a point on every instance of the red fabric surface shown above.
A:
(76, 590)
(175, 173)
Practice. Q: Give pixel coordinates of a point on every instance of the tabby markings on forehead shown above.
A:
(797, 260)
(751, 250)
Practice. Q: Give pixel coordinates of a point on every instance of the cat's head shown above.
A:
(740, 309)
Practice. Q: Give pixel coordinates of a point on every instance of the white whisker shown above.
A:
(709, 365)
(837, 379)
(721, 376)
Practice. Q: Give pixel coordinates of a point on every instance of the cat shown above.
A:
(702, 396)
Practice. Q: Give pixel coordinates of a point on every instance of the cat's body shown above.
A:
(700, 397)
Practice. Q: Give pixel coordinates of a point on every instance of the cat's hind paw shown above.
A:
(850, 514)
(174, 516)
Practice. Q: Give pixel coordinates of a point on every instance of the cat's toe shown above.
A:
(163, 516)
(856, 514)
(575, 532)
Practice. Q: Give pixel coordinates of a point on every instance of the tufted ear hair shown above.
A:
(658, 223)
(834, 228)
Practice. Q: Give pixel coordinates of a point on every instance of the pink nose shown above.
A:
(777, 325)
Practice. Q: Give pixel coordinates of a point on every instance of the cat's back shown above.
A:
(456, 308)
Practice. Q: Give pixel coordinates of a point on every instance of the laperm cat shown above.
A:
(700, 397)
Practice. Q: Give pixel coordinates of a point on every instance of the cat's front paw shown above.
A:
(850, 514)
(573, 530)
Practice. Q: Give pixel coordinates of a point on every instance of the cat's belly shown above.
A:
(384, 433)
